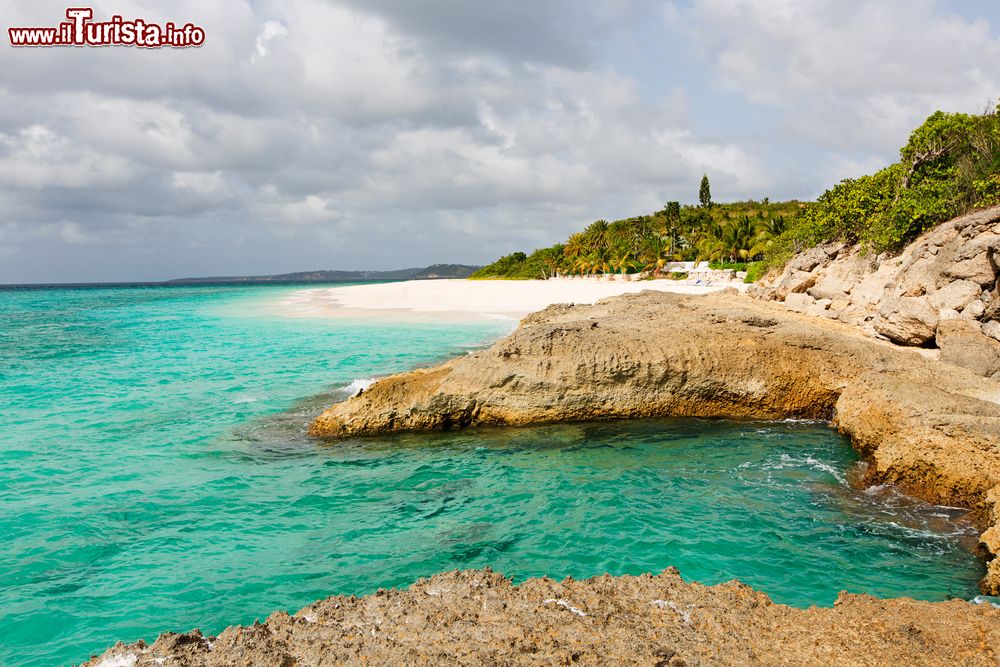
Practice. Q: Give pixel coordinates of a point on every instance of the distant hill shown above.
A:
(436, 271)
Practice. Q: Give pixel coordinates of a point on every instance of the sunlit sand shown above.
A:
(472, 299)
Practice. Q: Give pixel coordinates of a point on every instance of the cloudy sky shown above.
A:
(310, 134)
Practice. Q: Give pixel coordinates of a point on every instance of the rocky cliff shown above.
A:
(940, 292)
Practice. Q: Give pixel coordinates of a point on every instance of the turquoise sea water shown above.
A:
(155, 475)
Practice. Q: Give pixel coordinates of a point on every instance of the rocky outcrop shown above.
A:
(948, 273)
(963, 343)
(659, 354)
(932, 429)
(907, 320)
(480, 618)
(654, 354)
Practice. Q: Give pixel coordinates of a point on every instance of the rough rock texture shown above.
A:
(948, 273)
(931, 428)
(962, 343)
(908, 320)
(640, 355)
(479, 618)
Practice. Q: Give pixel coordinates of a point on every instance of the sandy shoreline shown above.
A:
(471, 299)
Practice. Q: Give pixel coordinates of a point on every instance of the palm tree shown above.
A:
(740, 238)
(767, 231)
(710, 243)
(669, 228)
(600, 261)
(642, 228)
(623, 262)
(552, 258)
(733, 241)
(596, 235)
(621, 233)
(655, 255)
(575, 246)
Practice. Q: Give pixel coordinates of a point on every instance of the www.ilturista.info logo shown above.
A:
(80, 30)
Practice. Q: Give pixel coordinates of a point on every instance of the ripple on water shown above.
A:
(156, 476)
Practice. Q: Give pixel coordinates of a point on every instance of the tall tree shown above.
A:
(620, 233)
(705, 192)
(596, 235)
(672, 214)
(673, 211)
(655, 255)
(575, 246)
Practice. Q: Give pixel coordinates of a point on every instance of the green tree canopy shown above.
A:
(705, 192)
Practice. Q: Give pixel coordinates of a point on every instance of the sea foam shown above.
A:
(359, 385)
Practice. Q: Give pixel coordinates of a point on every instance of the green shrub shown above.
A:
(948, 166)
(755, 271)
(725, 266)
(508, 266)
(988, 190)
(540, 264)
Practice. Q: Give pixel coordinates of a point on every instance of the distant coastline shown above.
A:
(433, 272)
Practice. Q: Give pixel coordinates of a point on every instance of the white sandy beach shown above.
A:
(471, 299)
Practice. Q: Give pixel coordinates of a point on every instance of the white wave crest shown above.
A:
(359, 385)
(785, 461)
(986, 599)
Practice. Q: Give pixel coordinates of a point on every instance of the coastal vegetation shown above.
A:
(950, 164)
(724, 234)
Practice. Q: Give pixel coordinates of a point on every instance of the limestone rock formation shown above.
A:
(948, 273)
(907, 320)
(963, 343)
(479, 618)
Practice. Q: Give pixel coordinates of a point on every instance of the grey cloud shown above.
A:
(558, 32)
(851, 75)
(369, 135)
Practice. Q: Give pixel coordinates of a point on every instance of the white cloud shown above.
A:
(200, 182)
(310, 209)
(270, 30)
(839, 167)
(36, 158)
(848, 73)
(380, 133)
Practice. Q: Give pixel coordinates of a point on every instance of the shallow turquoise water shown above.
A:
(154, 475)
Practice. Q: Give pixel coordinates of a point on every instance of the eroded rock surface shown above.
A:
(479, 618)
